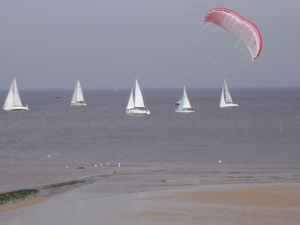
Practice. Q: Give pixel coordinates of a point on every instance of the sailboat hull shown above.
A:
(17, 108)
(138, 111)
(229, 105)
(78, 104)
(185, 111)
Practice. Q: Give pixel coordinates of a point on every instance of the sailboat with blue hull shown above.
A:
(184, 104)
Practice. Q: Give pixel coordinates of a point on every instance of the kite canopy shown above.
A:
(241, 28)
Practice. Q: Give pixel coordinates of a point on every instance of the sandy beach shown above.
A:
(21, 204)
(232, 204)
(201, 204)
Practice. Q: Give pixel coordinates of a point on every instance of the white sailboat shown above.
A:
(13, 101)
(226, 100)
(184, 105)
(178, 101)
(77, 98)
(136, 104)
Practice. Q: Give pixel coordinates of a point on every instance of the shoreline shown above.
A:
(22, 204)
(44, 193)
(243, 194)
(163, 202)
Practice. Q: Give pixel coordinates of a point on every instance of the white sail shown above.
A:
(77, 98)
(184, 105)
(222, 101)
(138, 97)
(135, 105)
(130, 104)
(186, 102)
(226, 100)
(13, 101)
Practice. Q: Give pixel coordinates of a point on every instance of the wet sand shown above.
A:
(202, 204)
(21, 204)
(232, 204)
(270, 195)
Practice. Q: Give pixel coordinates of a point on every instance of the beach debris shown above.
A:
(96, 165)
(100, 164)
(66, 166)
(107, 163)
(220, 161)
(80, 167)
(10, 162)
(119, 164)
(49, 156)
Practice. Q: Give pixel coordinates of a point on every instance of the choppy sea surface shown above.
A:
(255, 142)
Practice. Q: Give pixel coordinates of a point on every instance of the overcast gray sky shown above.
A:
(107, 43)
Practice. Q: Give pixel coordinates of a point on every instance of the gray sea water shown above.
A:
(255, 142)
